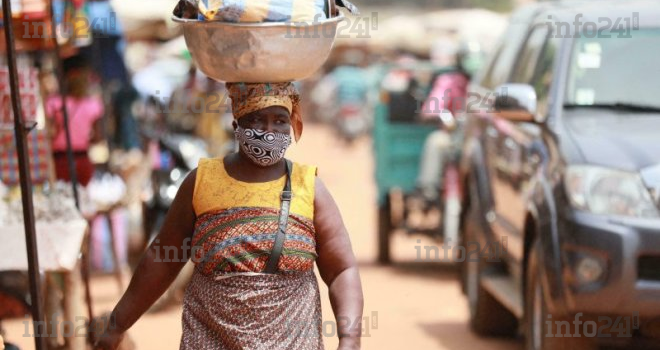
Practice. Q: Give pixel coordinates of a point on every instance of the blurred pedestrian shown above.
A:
(84, 110)
(253, 287)
(446, 102)
(348, 102)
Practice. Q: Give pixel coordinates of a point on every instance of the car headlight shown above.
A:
(609, 192)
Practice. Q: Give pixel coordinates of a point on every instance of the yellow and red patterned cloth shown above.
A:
(237, 221)
(230, 303)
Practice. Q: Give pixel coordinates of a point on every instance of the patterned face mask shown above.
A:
(264, 148)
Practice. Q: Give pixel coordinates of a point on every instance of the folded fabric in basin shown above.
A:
(262, 10)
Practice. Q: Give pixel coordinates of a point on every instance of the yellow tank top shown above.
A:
(215, 190)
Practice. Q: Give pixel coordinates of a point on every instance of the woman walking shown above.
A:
(253, 224)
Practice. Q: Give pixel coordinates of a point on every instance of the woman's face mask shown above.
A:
(262, 147)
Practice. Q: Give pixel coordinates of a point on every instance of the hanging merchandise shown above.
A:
(72, 24)
(62, 19)
(32, 25)
(42, 231)
(38, 142)
(82, 27)
(28, 85)
(39, 151)
(34, 7)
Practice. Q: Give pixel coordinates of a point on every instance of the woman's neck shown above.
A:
(240, 167)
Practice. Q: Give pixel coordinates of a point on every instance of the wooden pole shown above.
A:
(20, 132)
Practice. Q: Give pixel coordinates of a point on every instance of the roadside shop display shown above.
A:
(31, 23)
(106, 190)
(42, 230)
(35, 28)
(39, 151)
(60, 225)
(60, 229)
(49, 206)
(30, 98)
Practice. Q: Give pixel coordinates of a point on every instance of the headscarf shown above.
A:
(249, 97)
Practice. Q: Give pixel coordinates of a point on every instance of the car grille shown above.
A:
(648, 268)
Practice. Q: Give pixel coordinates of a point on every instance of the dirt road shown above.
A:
(410, 305)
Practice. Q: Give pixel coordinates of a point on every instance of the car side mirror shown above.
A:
(516, 102)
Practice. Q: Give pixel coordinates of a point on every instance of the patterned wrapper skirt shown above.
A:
(280, 311)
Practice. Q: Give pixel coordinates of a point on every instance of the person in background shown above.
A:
(350, 78)
(106, 56)
(446, 101)
(84, 110)
(342, 95)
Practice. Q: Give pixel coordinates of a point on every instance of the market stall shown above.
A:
(43, 230)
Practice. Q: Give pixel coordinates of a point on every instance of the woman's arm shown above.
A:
(158, 267)
(338, 268)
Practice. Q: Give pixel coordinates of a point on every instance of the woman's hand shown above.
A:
(152, 275)
(109, 340)
(104, 334)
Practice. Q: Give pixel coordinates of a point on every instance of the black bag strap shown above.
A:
(285, 198)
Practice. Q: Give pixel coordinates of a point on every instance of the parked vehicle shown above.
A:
(562, 179)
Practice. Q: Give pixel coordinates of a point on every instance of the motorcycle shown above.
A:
(175, 152)
(437, 215)
(351, 122)
(177, 155)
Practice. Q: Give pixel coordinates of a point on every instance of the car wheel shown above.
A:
(536, 314)
(487, 316)
(384, 231)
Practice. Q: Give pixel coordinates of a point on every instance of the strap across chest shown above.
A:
(285, 206)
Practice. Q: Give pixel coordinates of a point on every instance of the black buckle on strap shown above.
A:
(286, 195)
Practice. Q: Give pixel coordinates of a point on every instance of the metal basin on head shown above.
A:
(259, 52)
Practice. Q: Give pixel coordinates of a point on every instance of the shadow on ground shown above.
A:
(433, 270)
(457, 336)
